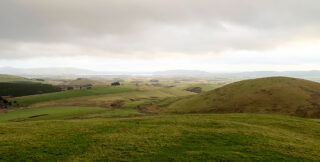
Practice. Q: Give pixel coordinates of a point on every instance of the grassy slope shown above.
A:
(84, 81)
(95, 91)
(58, 113)
(266, 95)
(205, 85)
(12, 78)
(98, 96)
(48, 113)
(229, 137)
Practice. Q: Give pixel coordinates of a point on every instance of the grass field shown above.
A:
(48, 113)
(101, 96)
(94, 91)
(232, 137)
(59, 113)
(204, 87)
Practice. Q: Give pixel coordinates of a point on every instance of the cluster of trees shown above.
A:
(25, 89)
(88, 86)
(194, 89)
(4, 103)
(115, 84)
(72, 87)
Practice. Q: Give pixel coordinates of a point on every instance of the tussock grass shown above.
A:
(202, 137)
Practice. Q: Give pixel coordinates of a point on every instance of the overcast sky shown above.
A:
(150, 35)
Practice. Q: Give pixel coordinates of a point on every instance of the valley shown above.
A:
(152, 119)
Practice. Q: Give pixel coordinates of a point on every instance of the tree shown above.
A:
(70, 88)
(115, 84)
(4, 102)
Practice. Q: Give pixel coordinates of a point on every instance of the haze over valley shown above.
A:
(178, 80)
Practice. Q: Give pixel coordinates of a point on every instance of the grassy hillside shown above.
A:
(83, 81)
(99, 90)
(229, 137)
(267, 95)
(101, 96)
(60, 113)
(47, 113)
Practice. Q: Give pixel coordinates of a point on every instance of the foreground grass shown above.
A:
(65, 112)
(48, 113)
(232, 137)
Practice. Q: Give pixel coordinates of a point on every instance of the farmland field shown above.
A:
(97, 95)
(202, 137)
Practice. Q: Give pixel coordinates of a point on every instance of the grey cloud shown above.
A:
(131, 26)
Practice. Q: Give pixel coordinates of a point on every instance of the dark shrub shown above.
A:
(115, 84)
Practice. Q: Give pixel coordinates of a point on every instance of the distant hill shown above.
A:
(75, 72)
(13, 78)
(83, 81)
(279, 95)
(183, 73)
(310, 75)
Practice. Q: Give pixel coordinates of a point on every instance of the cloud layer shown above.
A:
(211, 35)
(144, 28)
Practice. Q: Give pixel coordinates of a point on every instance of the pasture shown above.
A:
(202, 137)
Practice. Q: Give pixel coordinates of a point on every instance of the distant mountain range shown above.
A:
(183, 73)
(311, 75)
(60, 72)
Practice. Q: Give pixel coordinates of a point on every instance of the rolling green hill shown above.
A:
(12, 78)
(279, 95)
(100, 96)
(83, 81)
(206, 137)
(94, 91)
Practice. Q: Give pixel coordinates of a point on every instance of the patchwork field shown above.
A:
(101, 96)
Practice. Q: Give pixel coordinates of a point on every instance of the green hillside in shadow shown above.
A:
(279, 95)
